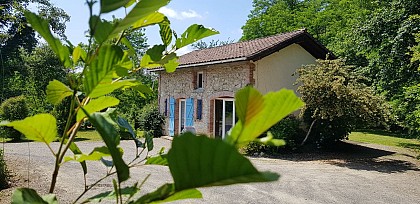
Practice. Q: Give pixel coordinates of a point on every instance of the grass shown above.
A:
(385, 139)
(91, 135)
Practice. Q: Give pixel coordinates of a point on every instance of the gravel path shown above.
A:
(363, 174)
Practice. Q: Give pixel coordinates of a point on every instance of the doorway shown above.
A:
(224, 116)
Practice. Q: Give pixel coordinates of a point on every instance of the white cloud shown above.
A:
(179, 15)
(190, 14)
(184, 50)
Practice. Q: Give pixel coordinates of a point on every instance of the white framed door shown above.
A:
(182, 114)
(224, 116)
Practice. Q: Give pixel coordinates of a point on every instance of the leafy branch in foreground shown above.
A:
(107, 67)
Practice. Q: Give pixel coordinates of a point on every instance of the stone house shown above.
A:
(200, 93)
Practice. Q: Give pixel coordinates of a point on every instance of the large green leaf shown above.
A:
(75, 149)
(41, 26)
(102, 70)
(123, 123)
(258, 113)
(142, 9)
(111, 5)
(101, 29)
(192, 34)
(167, 193)
(165, 32)
(127, 191)
(109, 134)
(95, 155)
(198, 161)
(106, 87)
(151, 19)
(158, 160)
(57, 91)
(40, 127)
(27, 195)
(96, 105)
(78, 53)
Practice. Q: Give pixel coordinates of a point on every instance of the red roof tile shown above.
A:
(246, 49)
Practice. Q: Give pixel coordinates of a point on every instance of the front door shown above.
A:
(182, 108)
(224, 116)
(186, 113)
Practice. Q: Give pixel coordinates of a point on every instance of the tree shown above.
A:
(106, 68)
(14, 32)
(337, 101)
(200, 45)
(16, 37)
(327, 20)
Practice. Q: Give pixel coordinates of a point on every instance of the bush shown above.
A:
(288, 129)
(150, 119)
(14, 108)
(337, 99)
(4, 181)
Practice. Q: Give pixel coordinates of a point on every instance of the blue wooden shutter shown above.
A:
(171, 116)
(199, 109)
(189, 112)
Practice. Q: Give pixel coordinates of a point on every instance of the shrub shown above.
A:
(407, 110)
(337, 99)
(150, 119)
(4, 181)
(14, 108)
(288, 129)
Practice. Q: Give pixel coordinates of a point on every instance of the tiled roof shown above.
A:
(241, 51)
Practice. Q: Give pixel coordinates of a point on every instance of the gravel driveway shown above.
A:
(364, 174)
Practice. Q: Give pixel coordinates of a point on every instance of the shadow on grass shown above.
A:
(355, 157)
(77, 139)
(388, 133)
(409, 145)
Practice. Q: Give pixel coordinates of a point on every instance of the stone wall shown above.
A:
(219, 81)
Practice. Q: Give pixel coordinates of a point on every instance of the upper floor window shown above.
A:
(200, 80)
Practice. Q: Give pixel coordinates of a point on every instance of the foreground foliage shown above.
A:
(107, 67)
(14, 108)
(4, 177)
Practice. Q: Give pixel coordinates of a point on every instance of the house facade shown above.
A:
(200, 93)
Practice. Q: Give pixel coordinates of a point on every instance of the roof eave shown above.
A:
(205, 63)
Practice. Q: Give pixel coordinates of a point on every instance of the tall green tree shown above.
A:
(327, 20)
(17, 37)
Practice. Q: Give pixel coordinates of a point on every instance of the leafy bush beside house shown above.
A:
(150, 119)
(337, 101)
(289, 129)
(14, 108)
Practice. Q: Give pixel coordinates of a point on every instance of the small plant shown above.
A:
(4, 177)
(150, 119)
(14, 108)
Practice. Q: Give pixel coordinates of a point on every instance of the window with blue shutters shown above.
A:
(199, 109)
(171, 117)
(189, 112)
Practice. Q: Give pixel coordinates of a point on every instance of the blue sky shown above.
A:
(226, 16)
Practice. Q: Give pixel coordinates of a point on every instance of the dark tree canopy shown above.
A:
(14, 31)
(377, 37)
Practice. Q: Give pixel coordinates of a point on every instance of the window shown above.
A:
(166, 107)
(199, 109)
(200, 80)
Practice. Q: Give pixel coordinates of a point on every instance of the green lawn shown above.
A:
(91, 135)
(385, 139)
